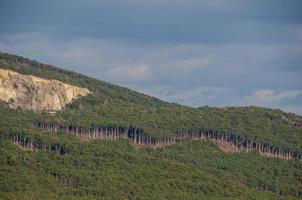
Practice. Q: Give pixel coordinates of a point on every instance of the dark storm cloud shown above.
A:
(195, 52)
(169, 21)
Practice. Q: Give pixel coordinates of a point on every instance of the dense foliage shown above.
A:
(116, 170)
(110, 104)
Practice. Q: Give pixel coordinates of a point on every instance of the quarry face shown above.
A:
(35, 93)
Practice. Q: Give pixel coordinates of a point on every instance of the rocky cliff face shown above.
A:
(35, 93)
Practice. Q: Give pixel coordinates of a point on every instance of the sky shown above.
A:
(193, 52)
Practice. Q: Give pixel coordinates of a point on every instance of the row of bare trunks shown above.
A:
(139, 138)
(33, 144)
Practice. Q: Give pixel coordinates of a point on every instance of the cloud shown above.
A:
(131, 73)
(269, 97)
(191, 74)
(189, 65)
(194, 52)
(251, 65)
(17, 37)
(157, 21)
(200, 94)
(208, 3)
(75, 53)
(196, 96)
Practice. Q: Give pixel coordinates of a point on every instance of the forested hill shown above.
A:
(117, 106)
(63, 155)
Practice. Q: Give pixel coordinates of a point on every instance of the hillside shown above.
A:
(56, 164)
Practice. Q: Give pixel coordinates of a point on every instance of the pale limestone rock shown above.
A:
(35, 93)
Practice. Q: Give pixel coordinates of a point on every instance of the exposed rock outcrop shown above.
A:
(35, 93)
